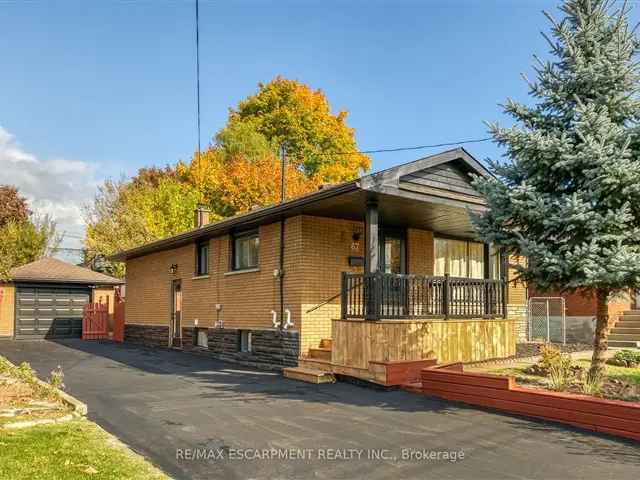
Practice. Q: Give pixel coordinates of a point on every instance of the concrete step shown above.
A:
(624, 337)
(320, 353)
(635, 317)
(326, 343)
(631, 312)
(628, 322)
(623, 344)
(308, 375)
(626, 330)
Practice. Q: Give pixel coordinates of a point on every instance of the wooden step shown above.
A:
(308, 375)
(326, 343)
(320, 353)
(315, 364)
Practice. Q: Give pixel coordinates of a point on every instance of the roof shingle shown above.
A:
(49, 269)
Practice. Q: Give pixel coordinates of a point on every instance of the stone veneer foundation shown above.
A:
(147, 335)
(271, 349)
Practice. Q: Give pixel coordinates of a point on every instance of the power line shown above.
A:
(403, 149)
(198, 72)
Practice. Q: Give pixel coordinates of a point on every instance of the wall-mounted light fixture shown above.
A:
(355, 241)
(173, 269)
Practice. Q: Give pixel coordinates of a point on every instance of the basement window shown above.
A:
(245, 341)
(202, 337)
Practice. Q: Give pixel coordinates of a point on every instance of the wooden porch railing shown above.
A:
(374, 296)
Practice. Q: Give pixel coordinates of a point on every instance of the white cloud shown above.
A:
(57, 187)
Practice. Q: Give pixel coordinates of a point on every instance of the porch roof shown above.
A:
(431, 193)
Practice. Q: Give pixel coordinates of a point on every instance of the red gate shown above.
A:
(118, 317)
(95, 325)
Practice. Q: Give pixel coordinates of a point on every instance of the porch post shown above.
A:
(371, 261)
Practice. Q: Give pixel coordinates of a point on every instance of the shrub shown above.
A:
(625, 358)
(560, 372)
(549, 355)
(56, 378)
(592, 384)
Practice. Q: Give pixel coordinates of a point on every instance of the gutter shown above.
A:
(227, 224)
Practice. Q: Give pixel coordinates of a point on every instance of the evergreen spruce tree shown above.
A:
(567, 194)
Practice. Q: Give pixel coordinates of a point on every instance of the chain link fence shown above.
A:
(547, 322)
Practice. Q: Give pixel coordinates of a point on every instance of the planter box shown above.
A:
(449, 381)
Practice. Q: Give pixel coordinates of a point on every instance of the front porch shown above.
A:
(417, 284)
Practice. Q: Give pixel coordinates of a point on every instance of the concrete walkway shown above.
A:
(194, 417)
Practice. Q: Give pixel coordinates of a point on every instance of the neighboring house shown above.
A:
(44, 299)
(400, 236)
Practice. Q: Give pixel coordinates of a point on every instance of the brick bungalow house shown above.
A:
(393, 251)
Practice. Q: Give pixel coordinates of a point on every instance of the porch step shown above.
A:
(315, 364)
(624, 323)
(629, 317)
(623, 344)
(624, 337)
(320, 353)
(309, 375)
(326, 343)
(631, 312)
(625, 330)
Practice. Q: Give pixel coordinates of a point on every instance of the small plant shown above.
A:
(56, 378)
(592, 384)
(560, 372)
(549, 355)
(625, 358)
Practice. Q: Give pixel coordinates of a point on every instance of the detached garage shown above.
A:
(44, 299)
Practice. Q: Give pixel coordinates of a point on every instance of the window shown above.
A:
(245, 341)
(202, 337)
(245, 250)
(458, 258)
(202, 258)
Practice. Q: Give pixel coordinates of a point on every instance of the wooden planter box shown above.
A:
(449, 381)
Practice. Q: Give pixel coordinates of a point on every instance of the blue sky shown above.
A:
(90, 90)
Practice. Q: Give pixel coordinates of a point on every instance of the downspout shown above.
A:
(283, 165)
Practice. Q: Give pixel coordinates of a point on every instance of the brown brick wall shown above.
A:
(246, 297)
(327, 245)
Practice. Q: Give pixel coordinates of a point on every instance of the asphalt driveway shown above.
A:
(197, 418)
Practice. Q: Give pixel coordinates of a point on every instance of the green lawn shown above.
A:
(631, 375)
(74, 450)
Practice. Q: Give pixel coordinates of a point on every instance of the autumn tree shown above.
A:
(125, 215)
(24, 241)
(13, 206)
(568, 194)
(289, 111)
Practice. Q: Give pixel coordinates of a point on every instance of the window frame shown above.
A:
(244, 346)
(200, 244)
(255, 233)
(468, 243)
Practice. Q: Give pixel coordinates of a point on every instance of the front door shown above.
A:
(176, 314)
(393, 260)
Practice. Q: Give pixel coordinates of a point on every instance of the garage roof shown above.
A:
(51, 270)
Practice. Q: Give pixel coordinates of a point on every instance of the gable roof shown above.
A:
(51, 270)
(384, 182)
